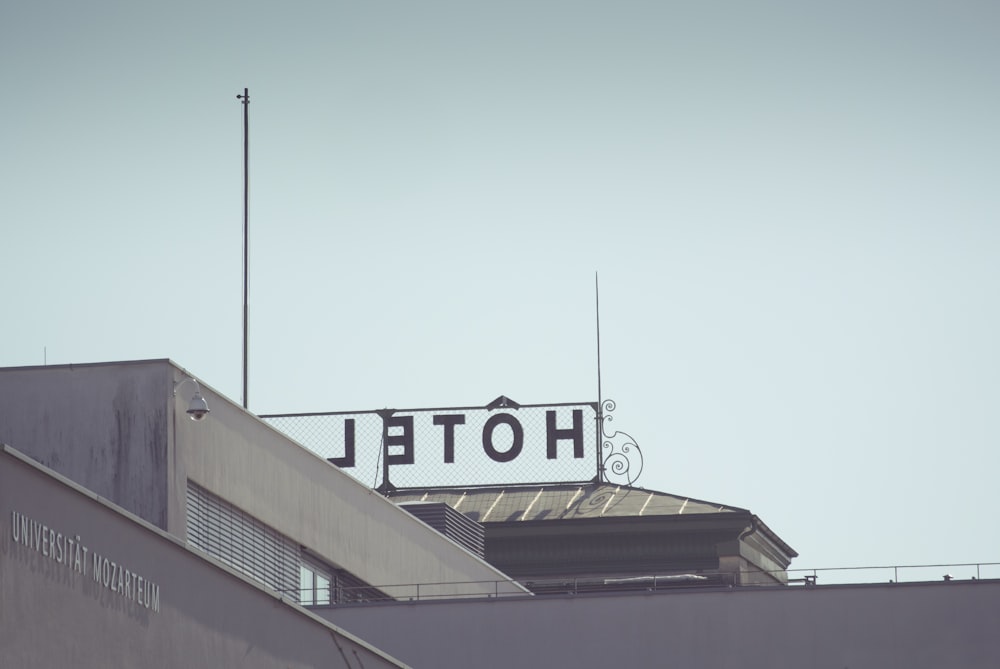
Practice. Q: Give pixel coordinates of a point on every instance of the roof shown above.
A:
(494, 504)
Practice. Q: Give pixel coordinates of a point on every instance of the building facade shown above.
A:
(131, 535)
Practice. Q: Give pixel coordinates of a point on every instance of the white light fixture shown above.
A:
(198, 407)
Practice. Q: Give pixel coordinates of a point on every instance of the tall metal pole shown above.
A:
(246, 231)
(597, 311)
(600, 400)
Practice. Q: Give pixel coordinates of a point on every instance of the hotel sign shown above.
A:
(501, 436)
(502, 442)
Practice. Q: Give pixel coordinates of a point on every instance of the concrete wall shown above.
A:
(53, 613)
(119, 430)
(254, 466)
(917, 626)
(104, 426)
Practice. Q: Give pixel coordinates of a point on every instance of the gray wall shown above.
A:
(118, 429)
(104, 426)
(916, 626)
(259, 469)
(52, 615)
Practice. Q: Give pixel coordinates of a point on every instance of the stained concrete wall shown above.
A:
(54, 613)
(917, 626)
(104, 426)
(120, 429)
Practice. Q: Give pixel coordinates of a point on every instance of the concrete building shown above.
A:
(84, 583)
(231, 484)
(866, 626)
(131, 535)
(588, 526)
(598, 536)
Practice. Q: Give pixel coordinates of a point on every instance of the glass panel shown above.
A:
(322, 589)
(305, 586)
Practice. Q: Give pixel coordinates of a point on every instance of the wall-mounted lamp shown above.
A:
(198, 408)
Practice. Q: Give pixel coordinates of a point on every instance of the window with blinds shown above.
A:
(233, 536)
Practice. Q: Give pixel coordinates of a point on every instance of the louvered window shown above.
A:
(233, 536)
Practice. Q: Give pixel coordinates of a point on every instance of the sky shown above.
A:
(792, 208)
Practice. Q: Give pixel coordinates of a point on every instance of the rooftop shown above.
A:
(556, 501)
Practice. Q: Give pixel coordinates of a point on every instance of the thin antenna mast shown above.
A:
(624, 454)
(597, 309)
(246, 228)
(600, 400)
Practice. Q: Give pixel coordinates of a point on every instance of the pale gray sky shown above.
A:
(793, 208)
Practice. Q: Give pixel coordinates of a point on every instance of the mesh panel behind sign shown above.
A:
(454, 447)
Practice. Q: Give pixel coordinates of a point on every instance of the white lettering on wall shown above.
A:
(70, 551)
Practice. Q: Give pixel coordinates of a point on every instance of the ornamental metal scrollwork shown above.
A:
(621, 457)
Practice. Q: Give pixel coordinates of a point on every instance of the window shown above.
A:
(314, 584)
(241, 541)
(246, 544)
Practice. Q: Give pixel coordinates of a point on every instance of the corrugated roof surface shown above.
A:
(563, 500)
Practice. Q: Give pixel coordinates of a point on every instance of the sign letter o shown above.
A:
(517, 432)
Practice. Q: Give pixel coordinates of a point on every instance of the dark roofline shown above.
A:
(458, 490)
(754, 523)
(741, 520)
(773, 537)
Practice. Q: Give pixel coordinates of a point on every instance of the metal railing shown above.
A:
(811, 577)
(403, 592)
(911, 573)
